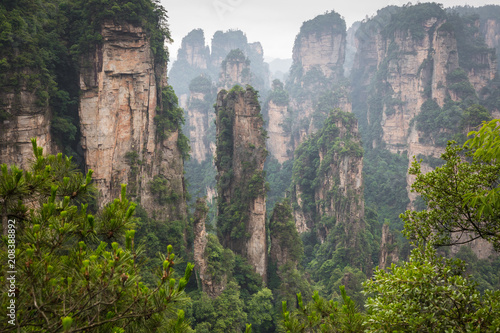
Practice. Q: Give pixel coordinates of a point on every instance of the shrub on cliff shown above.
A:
(75, 271)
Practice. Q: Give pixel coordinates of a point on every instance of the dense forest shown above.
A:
(361, 193)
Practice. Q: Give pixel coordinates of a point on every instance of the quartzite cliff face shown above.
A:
(235, 69)
(120, 87)
(240, 180)
(316, 83)
(328, 180)
(24, 119)
(399, 72)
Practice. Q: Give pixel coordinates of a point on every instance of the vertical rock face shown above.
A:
(278, 119)
(240, 180)
(350, 49)
(491, 31)
(194, 51)
(224, 42)
(213, 285)
(388, 252)
(118, 105)
(200, 239)
(22, 118)
(404, 71)
(328, 181)
(200, 117)
(323, 49)
(316, 83)
(235, 69)
(199, 122)
(193, 59)
(279, 140)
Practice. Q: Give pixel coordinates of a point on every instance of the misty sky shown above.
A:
(274, 23)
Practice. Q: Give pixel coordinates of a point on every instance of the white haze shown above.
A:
(274, 23)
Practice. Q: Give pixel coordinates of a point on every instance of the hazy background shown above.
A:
(274, 23)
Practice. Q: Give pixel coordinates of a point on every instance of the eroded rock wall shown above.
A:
(316, 83)
(398, 72)
(24, 119)
(240, 163)
(120, 85)
(279, 143)
(235, 69)
(328, 180)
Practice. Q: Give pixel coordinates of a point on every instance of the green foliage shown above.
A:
(235, 56)
(428, 293)
(278, 95)
(431, 291)
(320, 315)
(441, 124)
(447, 221)
(260, 311)
(233, 209)
(67, 270)
(307, 169)
(222, 314)
(248, 280)
(162, 190)
(410, 19)
(486, 142)
(473, 53)
(474, 116)
(385, 184)
(458, 82)
(482, 271)
(330, 22)
(282, 228)
(486, 146)
(201, 84)
(170, 117)
(220, 261)
(279, 177)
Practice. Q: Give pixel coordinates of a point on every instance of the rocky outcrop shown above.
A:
(200, 239)
(208, 283)
(279, 139)
(491, 32)
(351, 47)
(241, 202)
(194, 51)
(200, 118)
(278, 120)
(403, 70)
(330, 193)
(327, 193)
(388, 249)
(120, 97)
(193, 59)
(323, 49)
(235, 69)
(316, 83)
(22, 118)
(224, 42)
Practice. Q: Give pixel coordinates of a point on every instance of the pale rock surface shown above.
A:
(27, 120)
(278, 144)
(248, 146)
(118, 104)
